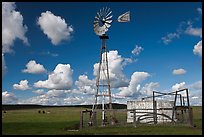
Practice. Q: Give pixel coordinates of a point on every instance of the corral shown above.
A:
(176, 110)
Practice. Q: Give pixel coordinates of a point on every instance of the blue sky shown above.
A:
(159, 49)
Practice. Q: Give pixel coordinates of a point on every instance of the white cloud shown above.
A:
(169, 37)
(40, 100)
(61, 78)
(134, 85)
(50, 54)
(56, 93)
(127, 61)
(52, 97)
(23, 85)
(85, 85)
(12, 26)
(198, 48)
(196, 86)
(194, 97)
(196, 100)
(193, 31)
(39, 91)
(184, 27)
(178, 86)
(58, 98)
(8, 98)
(179, 71)
(4, 68)
(137, 50)
(54, 27)
(195, 91)
(149, 88)
(116, 64)
(74, 100)
(34, 68)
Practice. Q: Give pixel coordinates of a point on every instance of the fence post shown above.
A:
(134, 117)
(81, 119)
(154, 109)
(190, 116)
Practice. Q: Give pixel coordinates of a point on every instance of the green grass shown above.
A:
(65, 120)
(31, 122)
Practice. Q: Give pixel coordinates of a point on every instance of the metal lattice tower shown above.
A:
(102, 23)
(103, 84)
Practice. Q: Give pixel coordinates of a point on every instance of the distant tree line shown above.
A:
(33, 106)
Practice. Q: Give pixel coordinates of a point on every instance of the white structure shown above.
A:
(144, 111)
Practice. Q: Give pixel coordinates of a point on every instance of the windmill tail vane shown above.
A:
(125, 17)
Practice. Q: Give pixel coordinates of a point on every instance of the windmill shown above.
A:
(102, 23)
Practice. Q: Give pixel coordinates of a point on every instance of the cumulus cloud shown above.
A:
(34, 68)
(198, 48)
(178, 86)
(85, 85)
(54, 27)
(52, 97)
(74, 100)
(116, 64)
(193, 31)
(12, 26)
(195, 90)
(42, 100)
(39, 91)
(134, 85)
(8, 98)
(23, 85)
(56, 93)
(137, 50)
(149, 88)
(179, 71)
(61, 78)
(58, 98)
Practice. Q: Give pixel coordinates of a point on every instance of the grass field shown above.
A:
(65, 121)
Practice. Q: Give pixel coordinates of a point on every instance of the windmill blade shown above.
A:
(105, 28)
(107, 25)
(106, 10)
(108, 21)
(96, 18)
(96, 21)
(124, 17)
(109, 17)
(98, 15)
(108, 13)
(103, 11)
(101, 14)
(96, 25)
